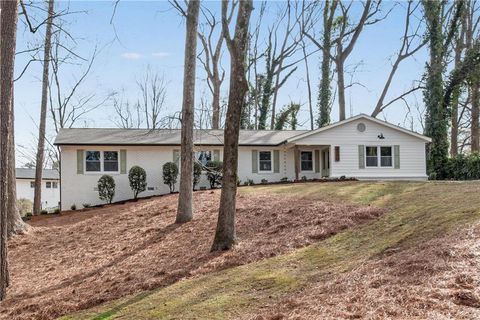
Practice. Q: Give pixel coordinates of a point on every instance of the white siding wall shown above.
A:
(50, 197)
(80, 188)
(412, 151)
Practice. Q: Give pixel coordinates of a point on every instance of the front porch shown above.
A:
(311, 161)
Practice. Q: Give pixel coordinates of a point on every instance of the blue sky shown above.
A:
(150, 33)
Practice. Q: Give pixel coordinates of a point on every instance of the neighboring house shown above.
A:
(50, 186)
(361, 147)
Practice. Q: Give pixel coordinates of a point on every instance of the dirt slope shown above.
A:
(419, 260)
(82, 259)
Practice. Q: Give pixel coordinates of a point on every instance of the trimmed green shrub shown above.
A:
(86, 205)
(264, 181)
(197, 172)
(73, 207)
(304, 178)
(170, 175)
(138, 180)
(463, 167)
(214, 173)
(56, 211)
(284, 180)
(106, 188)
(44, 211)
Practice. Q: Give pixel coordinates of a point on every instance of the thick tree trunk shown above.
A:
(454, 130)
(37, 200)
(225, 231)
(216, 105)
(185, 210)
(475, 147)
(8, 20)
(15, 224)
(436, 119)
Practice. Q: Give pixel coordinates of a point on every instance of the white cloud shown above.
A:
(160, 54)
(131, 55)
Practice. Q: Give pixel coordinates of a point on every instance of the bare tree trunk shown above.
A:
(8, 20)
(225, 231)
(185, 210)
(309, 88)
(475, 132)
(37, 199)
(341, 88)
(455, 103)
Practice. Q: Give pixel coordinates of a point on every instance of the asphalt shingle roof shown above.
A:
(26, 173)
(111, 136)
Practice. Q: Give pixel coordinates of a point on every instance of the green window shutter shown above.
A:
(216, 155)
(396, 156)
(276, 161)
(254, 161)
(361, 156)
(123, 161)
(80, 156)
(176, 156)
(317, 160)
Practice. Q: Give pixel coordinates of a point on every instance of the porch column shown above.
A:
(296, 154)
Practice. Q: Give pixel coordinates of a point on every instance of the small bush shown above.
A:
(170, 175)
(284, 180)
(264, 181)
(304, 178)
(86, 205)
(44, 211)
(106, 188)
(73, 207)
(138, 180)
(250, 182)
(197, 172)
(56, 211)
(28, 214)
(214, 173)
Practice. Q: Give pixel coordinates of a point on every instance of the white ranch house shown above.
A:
(360, 147)
(25, 179)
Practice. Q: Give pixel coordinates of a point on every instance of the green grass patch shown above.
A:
(416, 212)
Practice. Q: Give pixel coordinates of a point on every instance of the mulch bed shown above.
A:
(81, 259)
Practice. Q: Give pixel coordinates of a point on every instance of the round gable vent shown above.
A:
(361, 127)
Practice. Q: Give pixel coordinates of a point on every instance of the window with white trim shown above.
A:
(386, 156)
(54, 185)
(49, 184)
(32, 184)
(92, 161)
(110, 161)
(378, 156)
(306, 160)
(265, 161)
(101, 161)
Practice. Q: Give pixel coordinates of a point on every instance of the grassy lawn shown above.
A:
(416, 212)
